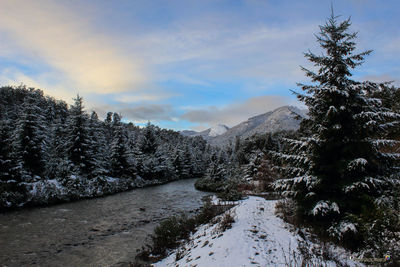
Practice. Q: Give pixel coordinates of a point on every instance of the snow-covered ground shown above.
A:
(257, 238)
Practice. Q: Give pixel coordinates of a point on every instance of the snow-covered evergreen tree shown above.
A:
(337, 171)
(56, 150)
(29, 139)
(6, 162)
(147, 142)
(99, 157)
(119, 162)
(187, 162)
(78, 144)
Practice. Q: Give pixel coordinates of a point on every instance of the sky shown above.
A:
(183, 64)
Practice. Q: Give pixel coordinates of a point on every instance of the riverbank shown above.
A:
(51, 192)
(257, 237)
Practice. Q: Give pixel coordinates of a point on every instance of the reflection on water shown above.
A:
(96, 232)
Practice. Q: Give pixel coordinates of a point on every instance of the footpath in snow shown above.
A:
(257, 238)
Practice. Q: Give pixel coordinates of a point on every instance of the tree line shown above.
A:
(50, 151)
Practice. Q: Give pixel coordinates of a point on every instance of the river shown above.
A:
(95, 232)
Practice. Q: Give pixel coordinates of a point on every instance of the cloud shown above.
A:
(14, 77)
(221, 52)
(381, 78)
(135, 97)
(236, 112)
(50, 32)
(140, 113)
(392, 45)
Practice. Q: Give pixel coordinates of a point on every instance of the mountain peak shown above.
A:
(218, 130)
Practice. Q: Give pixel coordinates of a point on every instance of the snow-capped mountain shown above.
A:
(209, 133)
(283, 118)
(218, 130)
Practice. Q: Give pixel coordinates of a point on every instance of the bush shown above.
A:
(230, 191)
(381, 234)
(208, 184)
(170, 232)
(226, 189)
(287, 210)
(226, 221)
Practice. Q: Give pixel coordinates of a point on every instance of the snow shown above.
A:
(218, 130)
(357, 164)
(325, 207)
(257, 238)
(340, 230)
(355, 186)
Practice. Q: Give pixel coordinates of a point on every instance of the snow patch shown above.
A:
(218, 130)
(324, 207)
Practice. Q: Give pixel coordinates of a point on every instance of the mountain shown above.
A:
(283, 118)
(218, 130)
(209, 133)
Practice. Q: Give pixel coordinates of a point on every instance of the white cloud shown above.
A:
(14, 77)
(140, 113)
(214, 50)
(381, 78)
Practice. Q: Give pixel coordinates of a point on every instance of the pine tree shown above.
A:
(29, 140)
(337, 170)
(56, 149)
(97, 146)
(147, 142)
(177, 162)
(78, 144)
(119, 162)
(187, 162)
(6, 163)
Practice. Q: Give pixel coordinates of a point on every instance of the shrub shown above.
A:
(170, 232)
(287, 210)
(226, 221)
(230, 191)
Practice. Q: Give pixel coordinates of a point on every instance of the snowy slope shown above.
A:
(257, 238)
(218, 130)
(209, 133)
(283, 118)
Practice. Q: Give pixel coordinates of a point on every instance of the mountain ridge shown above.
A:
(282, 118)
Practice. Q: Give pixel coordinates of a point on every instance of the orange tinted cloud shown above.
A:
(50, 33)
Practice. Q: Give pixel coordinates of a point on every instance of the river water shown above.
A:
(95, 232)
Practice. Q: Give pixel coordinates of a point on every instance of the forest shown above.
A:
(51, 152)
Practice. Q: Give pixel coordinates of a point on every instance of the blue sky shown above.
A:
(183, 64)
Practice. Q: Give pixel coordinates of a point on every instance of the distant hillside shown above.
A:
(209, 133)
(283, 118)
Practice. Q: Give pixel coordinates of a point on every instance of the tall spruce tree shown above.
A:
(29, 139)
(119, 162)
(147, 141)
(97, 146)
(337, 171)
(78, 144)
(6, 162)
